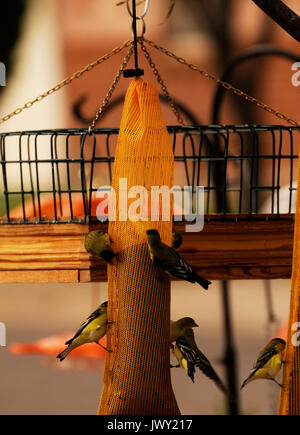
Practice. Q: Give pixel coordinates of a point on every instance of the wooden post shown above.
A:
(290, 393)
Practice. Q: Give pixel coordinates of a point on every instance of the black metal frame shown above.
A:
(194, 149)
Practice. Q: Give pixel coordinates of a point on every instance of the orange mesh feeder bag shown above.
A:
(137, 374)
(290, 393)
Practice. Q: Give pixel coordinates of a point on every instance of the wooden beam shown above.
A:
(259, 247)
(38, 276)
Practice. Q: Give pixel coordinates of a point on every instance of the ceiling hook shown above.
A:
(139, 17)
(136, 72)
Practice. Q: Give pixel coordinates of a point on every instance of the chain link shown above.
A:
(106, 100)
(179, 59)
(67, 81)
(161, 83)
(225, 85)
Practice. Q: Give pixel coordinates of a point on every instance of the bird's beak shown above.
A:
(196, 325)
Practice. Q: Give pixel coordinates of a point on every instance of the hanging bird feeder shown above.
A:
(43, 236)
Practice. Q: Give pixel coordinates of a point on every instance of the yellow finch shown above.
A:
(190, 356)
(167, 259)
(91, 331)
(98, 243)
(268, 363)
(176, 239)
(179, 327)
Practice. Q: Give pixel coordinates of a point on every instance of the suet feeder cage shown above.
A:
(43, 224)
(242, 208)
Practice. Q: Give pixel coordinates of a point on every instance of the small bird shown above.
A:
(268, 363)
(179, 327)
(176, 239)
(167, 259)
(98, 243)
(191, 357)
(91, 331)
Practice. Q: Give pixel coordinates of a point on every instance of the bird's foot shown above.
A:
(105, 348)
(280, 385)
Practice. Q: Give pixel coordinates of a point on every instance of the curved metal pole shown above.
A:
(252, 53)
(282, 15)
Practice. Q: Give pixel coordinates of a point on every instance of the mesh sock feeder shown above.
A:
(137, 375)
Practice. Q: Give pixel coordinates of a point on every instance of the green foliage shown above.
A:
(171, 7)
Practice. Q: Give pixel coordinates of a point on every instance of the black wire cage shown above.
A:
(53, 176)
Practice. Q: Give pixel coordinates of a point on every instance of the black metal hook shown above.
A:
(136, 72)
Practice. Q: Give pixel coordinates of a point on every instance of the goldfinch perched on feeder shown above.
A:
(268, 363)
(91, 331)
(98, 243)
(176, 239)
(180, 327)
(189, 356)
(167, 259)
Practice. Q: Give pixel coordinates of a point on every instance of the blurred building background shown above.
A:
(59, 37)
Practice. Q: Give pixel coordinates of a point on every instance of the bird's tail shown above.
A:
(220, 384)
(247, 380)
(202, 281)
(64, 353)
(108, 255)
(207, 369)
(210, 373)
(191, 371)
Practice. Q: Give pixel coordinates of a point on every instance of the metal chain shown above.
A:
(181, 60)
(67, 81)
(226, 85)
(106, 100)
(161, 83)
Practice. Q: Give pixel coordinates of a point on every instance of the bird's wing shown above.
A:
(188, 354)
(91, 317)
(187, 350)
(95, 314)
(198, 359)
(265, 355)
(173, 263)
